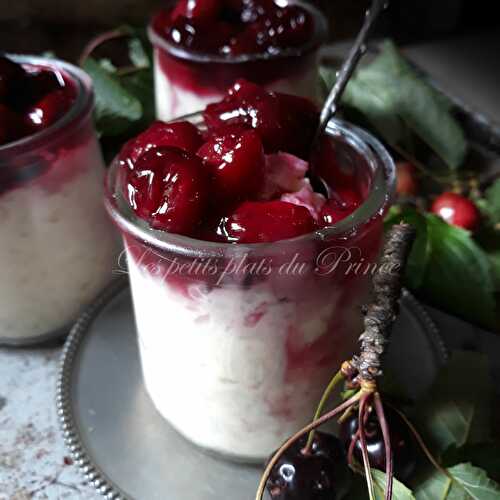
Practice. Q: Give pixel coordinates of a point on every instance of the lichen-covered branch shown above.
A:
(381, 313)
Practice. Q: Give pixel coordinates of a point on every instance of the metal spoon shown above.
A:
(344, 74)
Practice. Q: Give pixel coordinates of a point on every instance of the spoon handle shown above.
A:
(349, 65)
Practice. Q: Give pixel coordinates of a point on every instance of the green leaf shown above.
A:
(448, 268)
(495, 268)
(138, 54)
(399, 490)
(458, 273)
(456, 410)
(483, 455)
(359, 489)
(466, 483)
(490, 204)
(116, 107)
(390, 94)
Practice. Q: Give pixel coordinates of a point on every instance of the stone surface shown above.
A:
(34, 462)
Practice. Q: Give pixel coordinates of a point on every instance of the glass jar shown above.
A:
(238, 341)
(58, 246)
(186, 81)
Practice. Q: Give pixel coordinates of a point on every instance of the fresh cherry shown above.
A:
(402, 443)
(183, 135)
(49, 109)
(457, 210)
(267, 221)
(406, 179)
(11, 76)
(236, 162)
(169, 188)
(321, 474)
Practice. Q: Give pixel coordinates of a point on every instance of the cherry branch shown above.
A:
(381, 313)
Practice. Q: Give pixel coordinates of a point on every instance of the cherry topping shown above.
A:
(183, 135)
(267, 221)
(48, 110)
(402, 442)
(292, 26)
(11, 76)
(11, 125)
(457, 210)
(320, 475)
(284, 122)
(235, 26)
(169, 188)
(340, 206)
(41, 83)
(203, 9)
(406, 179)
(236, 162)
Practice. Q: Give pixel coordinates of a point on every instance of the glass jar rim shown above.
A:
(375, 205)
(79, 111)
(319, 37)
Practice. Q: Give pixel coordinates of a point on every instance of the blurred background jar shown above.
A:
(51, 24)
(57, 246)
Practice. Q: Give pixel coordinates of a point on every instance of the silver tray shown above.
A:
(126, 450)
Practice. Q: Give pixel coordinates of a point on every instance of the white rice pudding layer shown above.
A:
(173, 101)
(58, 245)
(219, 363)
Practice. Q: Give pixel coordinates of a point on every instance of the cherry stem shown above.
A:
(99, 40)
(421, 443)
(389, 465)
(350, 453)
(339, 377)
(308, 428)
(364, 448)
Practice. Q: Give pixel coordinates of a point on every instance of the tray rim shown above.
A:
(92, 472)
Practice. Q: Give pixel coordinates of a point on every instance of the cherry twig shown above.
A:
(381, 313)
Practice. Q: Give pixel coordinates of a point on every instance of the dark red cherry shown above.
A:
(402, 443)
(236, 162)
(320, 475)
(169, 188)
(266, 221)
(457, 210)
(11, 125)
(11, 76)
(183, 135)
(48, 109)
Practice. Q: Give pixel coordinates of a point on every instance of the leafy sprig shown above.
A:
(452, 268)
